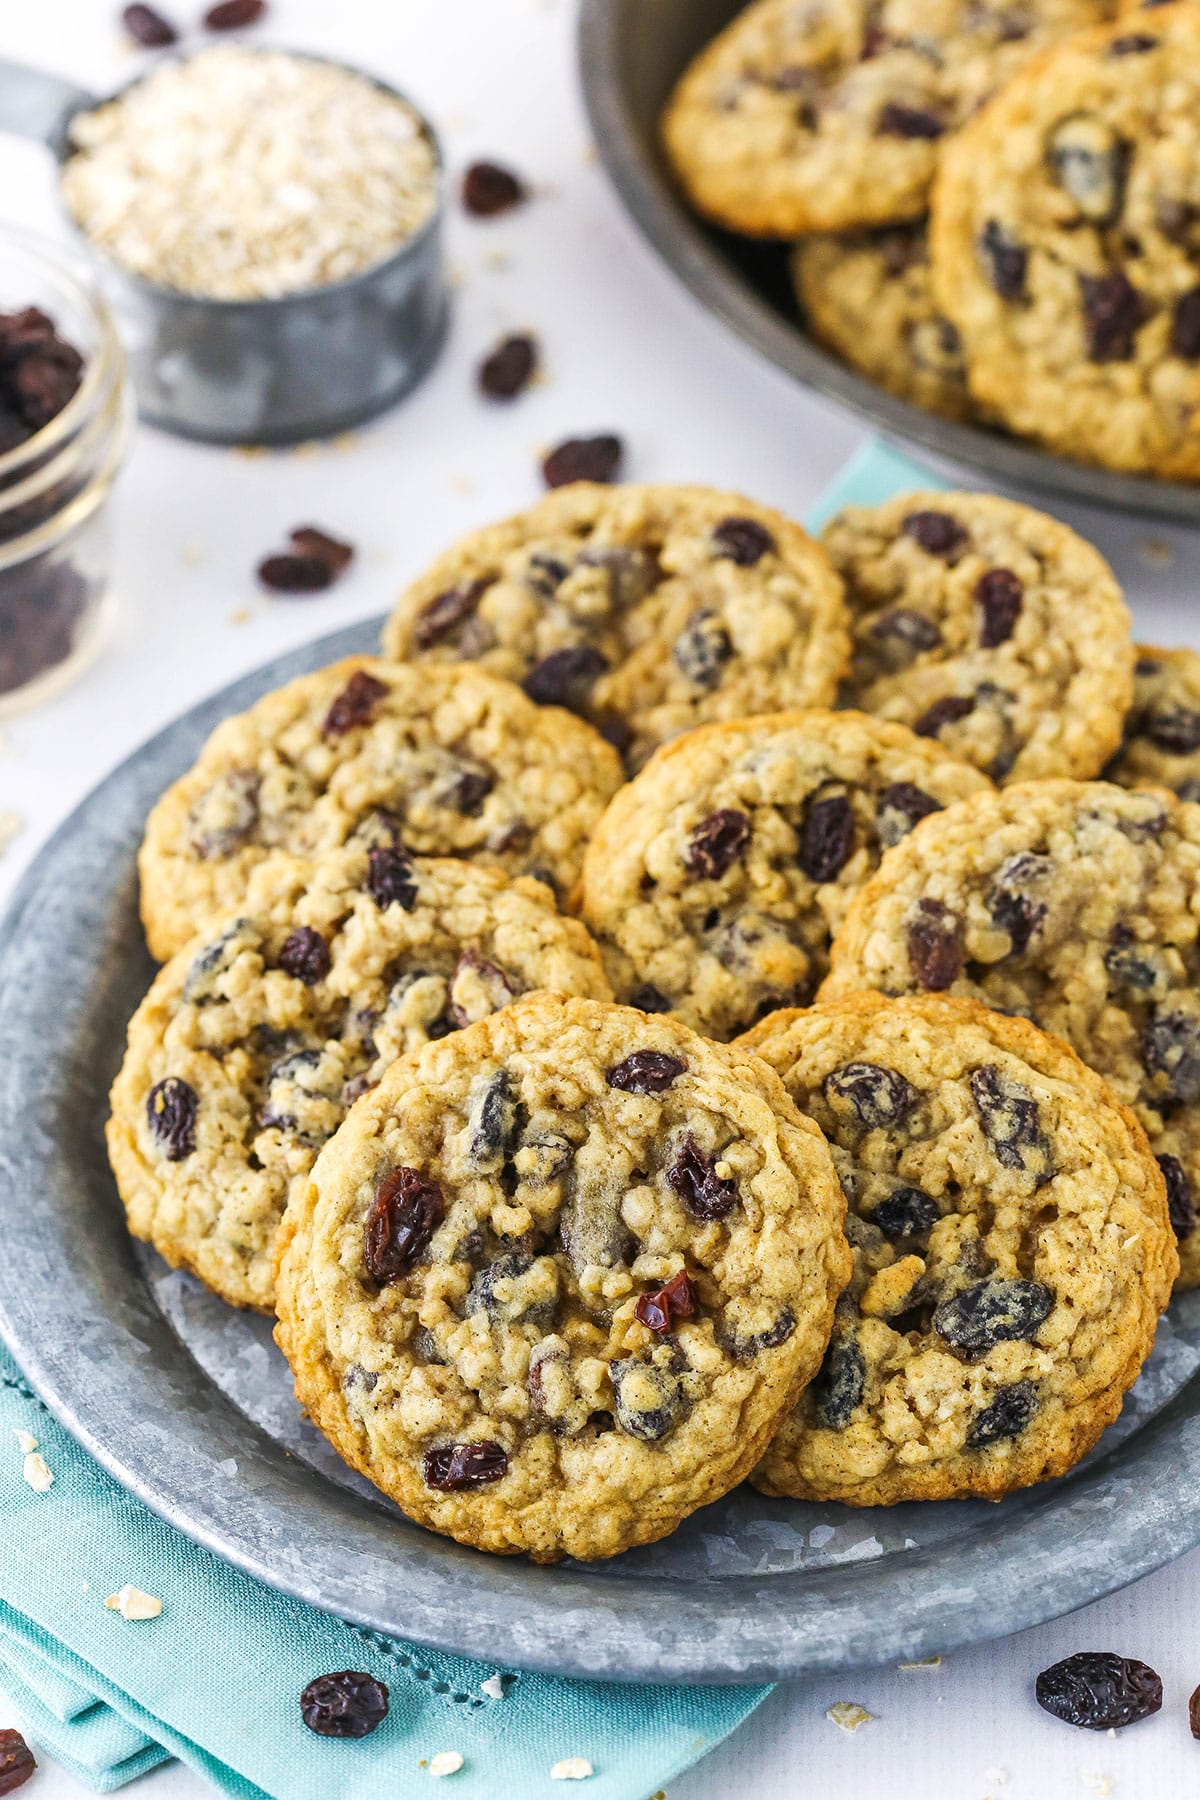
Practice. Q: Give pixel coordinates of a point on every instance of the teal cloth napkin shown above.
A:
(215, 1680)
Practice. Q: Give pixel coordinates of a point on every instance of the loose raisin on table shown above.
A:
(335, 553)
(346, 1704)
(877, 1096)
(978, 1318)
(509, 368)
(1194, 1713)
(286, 573)
(17, 1762)
(488, 189)
(935, 950)
(235, 15)
(404, 1214)
(459, 1468)
(583, 459)
(743, 541)
(304, 954)
(1181, 1204)
(391, 877)
(148, 28)
(171, 1109)
(1005, 1417)
(716, 843)
(1099, 1691)
(703, 1193)
(827, 836)
(355, 705)
(646, 1072)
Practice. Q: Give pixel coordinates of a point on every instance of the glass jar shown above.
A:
(54, 488)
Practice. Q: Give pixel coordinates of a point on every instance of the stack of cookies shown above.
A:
(995, 208)
(690, 1011)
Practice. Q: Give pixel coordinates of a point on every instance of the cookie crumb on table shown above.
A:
(572, 1768)
(37, 1472)
(446, 1762)
(848, 1715)
(134, 1603)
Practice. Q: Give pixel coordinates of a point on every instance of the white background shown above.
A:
(625, 349)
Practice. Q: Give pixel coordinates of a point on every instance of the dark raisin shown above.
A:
(646, 1072)
(1194, 1713)
(1142, 968)
(840, 1383)
(1004, 260)
(509, 368)
(459, 1468)
(566, 677)
(879, 1097)
(827, 837)
(1134, 43)
(355, 705)
(1172, 727)
(287, 573)
(978, 1318)
(471, 788)
(649, 999)
(658, 1309)
(1011, 1122)
(900, 121)
(998, 595)
(1091, 163)
(310, 540)
(348, 1704)
(148, 28)
(703, 648)
(901, 806)
(716, 843)
(16, 1761)
(305, 954)
(935, 950)
(442, 615)
(488, 189)
(745, 1349)
(583, 459)
(1180, 1204)
(910, 629)
(1005, 1417)
(1010, 901)
(648, 1399)
(703, 1193)
(493, 1121)
(1171, 1047)
(906, 1212)
(1185, 325)
(743, 541)
(946, 711)
(1099, 1691)
(404, 1214)
(1113, 310)
(545, 574)
(938, 533)
(234, 15)
(483, 1297)
(171, 1108)
(391, 877)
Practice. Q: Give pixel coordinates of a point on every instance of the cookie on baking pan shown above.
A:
(1161, 747)
(1066, 250)
(1012, 1252)
(465, 764)
(988, 626)
(558, 1278)
(867, 297)
(248, 1050)
(827, 115)
(716, 877)
(1076, 904)
(646, 609)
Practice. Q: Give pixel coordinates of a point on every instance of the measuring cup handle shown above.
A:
(34, 103)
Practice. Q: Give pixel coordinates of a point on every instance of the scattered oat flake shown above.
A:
(132, 1603)
(241, 615)
(446, 1762)
(192, 555)
(571, 1768)
(922, 1662)
(26, 1442)
(1156, 552)
(498, 259)
(848, 1715)
(36, 1471)
(493, 1687)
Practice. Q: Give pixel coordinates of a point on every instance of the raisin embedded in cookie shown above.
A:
(1075, 904)
(1012, 1252)
(716, 878)
(465, 764)
(248, 1050)
(867, 297)
(988, 626)
(827, 115)
(646, 609)
(557, 1279)
(1161, 747)
(1065, 237)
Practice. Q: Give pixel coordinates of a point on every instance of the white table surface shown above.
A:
(625, 349)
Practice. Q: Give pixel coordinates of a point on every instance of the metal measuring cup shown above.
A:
(273, 371)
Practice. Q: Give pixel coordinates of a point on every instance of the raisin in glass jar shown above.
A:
(65, 417)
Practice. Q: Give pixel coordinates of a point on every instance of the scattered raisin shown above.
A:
(1005, 1417)
(404, 1214)
(1185, 325)
(703, 1194)
(1005, 260)
(234, 15)
(827, 839)
(906, 1212)
(566, 677)
(900, 121)
(1099, 1691)
(901, 806)
(16, 1761)
(335, 553)
(840, 1383)
(716, 843)
(347, 1704)
(935, 950)
(877, 1096)
(488, 189)
(355, 705)
(743, 541)
(583, 459)
(978, 1318)
(998, 594)
(946, 711)
(286, 573)
(391, 878)
(1180, 1203)
(446, 612)
(148, 28)
(938, 533)
(458, 1468)
(171, 1108)
(1194, 1713)
(305, 955)
(659, 1309)
(646, 1072)
(1113, 310)
(509, 368)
